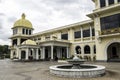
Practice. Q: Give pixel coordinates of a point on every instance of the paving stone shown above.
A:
(10, 70)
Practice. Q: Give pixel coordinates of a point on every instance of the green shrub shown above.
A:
(7, 56)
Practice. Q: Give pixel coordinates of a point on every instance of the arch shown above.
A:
(23, 54)
(113, 52)
(78, 49)
(94, 49)
(87, 49)
(14, 53)
(107, 45)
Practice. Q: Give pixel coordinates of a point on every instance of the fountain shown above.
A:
(77, 69)
(76, 62)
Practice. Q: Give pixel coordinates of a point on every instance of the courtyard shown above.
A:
(10, 70)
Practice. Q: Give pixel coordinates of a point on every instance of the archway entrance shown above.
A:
(78, 49)
(23, 54)
(113, 52)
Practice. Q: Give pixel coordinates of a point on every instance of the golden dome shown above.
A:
(23, 22)
(29, 42)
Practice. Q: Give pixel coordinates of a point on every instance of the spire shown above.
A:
(23, 16)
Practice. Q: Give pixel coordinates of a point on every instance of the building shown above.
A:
(95, 39)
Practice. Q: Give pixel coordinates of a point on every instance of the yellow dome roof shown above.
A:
(22, 22)
(29, 42)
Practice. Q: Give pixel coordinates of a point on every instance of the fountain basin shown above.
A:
(87, 70)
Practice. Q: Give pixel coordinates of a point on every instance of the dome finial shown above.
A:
(23, 16)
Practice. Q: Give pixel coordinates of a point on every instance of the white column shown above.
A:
(71, 35)
(51, 51)
(67, 49)
(17, 52)
(18, 41)
(60, 52)
(37, 57)
(115, 1)
(43, 53)
(81, 34)
(11, 54)
(34, 53)
(27, 50)
(24, 31)
(106, 3)
(98, 4)
(82, 51)
(90, 33)
(92, 52)
(20, 55)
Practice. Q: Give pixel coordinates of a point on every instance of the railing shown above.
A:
(110, 31)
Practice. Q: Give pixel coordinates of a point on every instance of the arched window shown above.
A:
(31, 53)
(78, 49)
(87, 49)
(94, 49)
(29, 32)
(14, 54)
(23, 54)
(26, 31)
(39, 52)
(23, 31)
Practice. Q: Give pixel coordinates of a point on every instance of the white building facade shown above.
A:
(95, 39)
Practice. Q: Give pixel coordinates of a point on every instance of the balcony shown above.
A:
(110, 31)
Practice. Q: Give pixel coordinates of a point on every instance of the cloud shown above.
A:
(44, 14)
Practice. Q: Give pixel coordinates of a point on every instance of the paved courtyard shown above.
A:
(40, 71)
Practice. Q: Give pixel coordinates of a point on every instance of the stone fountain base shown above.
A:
(86, 70)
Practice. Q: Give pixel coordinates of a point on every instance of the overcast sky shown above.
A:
(44, 14)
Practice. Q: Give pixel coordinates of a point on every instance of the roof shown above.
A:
(22, 22)
(29, 42)
(64, 27)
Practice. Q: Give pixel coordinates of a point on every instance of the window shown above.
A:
(29, 32)
(26, 31)
(77, 34)
(93, 32)
(110, 2)
(39, 38)
(14, 31)
(102, 3)
(86, 33)
(87, 49)
(64, 36)
(110, 22)
(35, 39)
(14, 42)
(23, 31)
(78, 50)
(47, 37)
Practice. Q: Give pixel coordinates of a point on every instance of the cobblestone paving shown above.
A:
(10, 70)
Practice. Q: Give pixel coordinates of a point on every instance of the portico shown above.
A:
(29, 51)
(52, 49)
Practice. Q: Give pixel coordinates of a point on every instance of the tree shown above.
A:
(4, 51)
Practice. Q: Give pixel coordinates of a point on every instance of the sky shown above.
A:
(43, 14)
